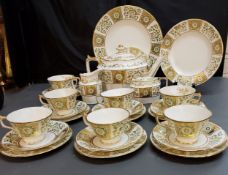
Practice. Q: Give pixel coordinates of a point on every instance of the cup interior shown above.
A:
(60, 77)
(108, 116)
(117, 92)
(177, 90)
(60, 93)
(30, 114)
(187, 113)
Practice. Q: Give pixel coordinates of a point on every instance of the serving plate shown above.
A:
(130, 26)
(191, 52)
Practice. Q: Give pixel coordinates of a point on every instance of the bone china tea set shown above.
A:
(129, 49)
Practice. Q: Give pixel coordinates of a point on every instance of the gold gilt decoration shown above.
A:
(126, 12)
(214, 38)
(137, 110)
(77, 112)
(11, 147)
(157, 108)
(195, 24)
(213, 141)
(84, 143)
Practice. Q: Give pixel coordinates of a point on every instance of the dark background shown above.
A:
(48, 37)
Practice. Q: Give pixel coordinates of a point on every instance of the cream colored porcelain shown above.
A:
(130, 26)
(137, 111)
(108, 123)
(146, 86)
(118, 98)
(58, 133)
(191, 52)
(157, 108)
(78, 109)
(29, 123)
(178, 94)
(62, 101)
(63, 81)
(89, 76)
(133, 138)
(212, 140)
(123, 66)
(91, 89)
(186, 121)
(109, 86)
(87, 139)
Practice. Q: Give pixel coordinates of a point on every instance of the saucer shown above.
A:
(138, 115)
(157, 107)
(80, 107)
(58, 134)
(87, 139)
(113, 153)
(75, 117)
(137, 107)
(212, 141)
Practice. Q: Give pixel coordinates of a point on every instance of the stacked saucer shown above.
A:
(189, 133)
(108, 137)
(33, 135)
(78, 111)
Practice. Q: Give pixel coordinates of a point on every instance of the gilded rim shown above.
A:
(63, 138)
(112, 154)
(137, 114)
(213, 152)
(86, 136)
(127, 12)
(206, 29)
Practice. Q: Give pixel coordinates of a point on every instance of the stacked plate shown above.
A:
(87, 143)
(78, 111)
(211, 141)
(58, 133)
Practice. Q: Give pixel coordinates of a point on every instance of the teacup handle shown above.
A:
(196, 98)
(162, 124)
(43, 100)
(3, 124)
(88, 60)
(75, 81)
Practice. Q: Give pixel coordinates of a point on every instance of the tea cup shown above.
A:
(29, 123)
(179, 94)
(118, 98)
(146, 86)
(63, 81)
(108, 123)
(186, 121)
(62, 101)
